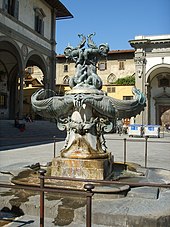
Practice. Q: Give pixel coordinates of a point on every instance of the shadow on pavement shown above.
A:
(35, 133)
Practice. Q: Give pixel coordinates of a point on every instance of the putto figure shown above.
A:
(86, 112)
(85, 62)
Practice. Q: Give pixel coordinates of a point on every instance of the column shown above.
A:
(53, 50)
(21, 95)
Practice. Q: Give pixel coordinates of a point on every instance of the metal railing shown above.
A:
(88, 191)
(42, 189)
(125, 141)
(145, 140)
(88, 187)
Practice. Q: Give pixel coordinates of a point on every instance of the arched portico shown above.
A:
(158, 92)
(13, 61)
(11, 73)
(36, 59)
(152, 62)
(26, 39)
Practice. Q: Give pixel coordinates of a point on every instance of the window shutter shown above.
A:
(42, 29)
(16, 10)
(5, 6)
(36, 23)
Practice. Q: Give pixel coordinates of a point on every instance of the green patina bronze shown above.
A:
(86, 112)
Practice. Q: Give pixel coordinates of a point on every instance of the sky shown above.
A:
(114, 21)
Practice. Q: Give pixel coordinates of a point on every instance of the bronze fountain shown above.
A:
(86, 113)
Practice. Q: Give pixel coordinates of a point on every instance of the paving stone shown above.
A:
(143, 209)
(144, 192)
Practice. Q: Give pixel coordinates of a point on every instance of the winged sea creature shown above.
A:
(57, 106)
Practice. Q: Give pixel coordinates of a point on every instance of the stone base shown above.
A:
(98, 169)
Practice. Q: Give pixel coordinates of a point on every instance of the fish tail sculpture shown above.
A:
(111, 107)
(52, 107)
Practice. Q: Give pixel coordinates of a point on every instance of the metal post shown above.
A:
(125, 153)
(146, 150)
(42, 173)
(54, 145)
(89, 188)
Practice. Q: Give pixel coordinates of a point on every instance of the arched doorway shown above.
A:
(158, 92)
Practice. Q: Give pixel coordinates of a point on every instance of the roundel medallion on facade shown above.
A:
(24, 50)
(48, 60)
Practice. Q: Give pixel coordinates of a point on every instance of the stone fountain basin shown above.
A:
(31, 178)
(112, 204)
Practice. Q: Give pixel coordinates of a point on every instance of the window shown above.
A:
(121, 65)
(111, 89)
(30, 70)
(11, 7)
(65, 68)
(102, 66)
(111, 78)
(39, 20)
(3, 100)
(66, 80)
(127, 97)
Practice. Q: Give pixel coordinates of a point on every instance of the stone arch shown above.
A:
(12, 63)
(156, 69)
(14, 46)
(39, 78)
(158, 96)
(35, 58)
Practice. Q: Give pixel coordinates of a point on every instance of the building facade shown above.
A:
(152, 70)
(118, 64)
(27, 38)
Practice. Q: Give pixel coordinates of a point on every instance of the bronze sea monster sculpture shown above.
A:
(86, 112)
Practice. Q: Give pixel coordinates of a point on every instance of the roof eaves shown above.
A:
(121, 51)
(61, 11)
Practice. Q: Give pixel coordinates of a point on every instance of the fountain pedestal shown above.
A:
(98, 169)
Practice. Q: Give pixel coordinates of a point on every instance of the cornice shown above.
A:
(23, 39)
(140, 43)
